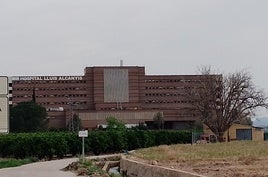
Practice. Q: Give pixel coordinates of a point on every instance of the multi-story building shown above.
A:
(124, 92)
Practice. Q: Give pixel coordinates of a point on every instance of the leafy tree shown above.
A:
(159, 120)
(114, 124)
(27, 117)
(223, 100)
(117, 133)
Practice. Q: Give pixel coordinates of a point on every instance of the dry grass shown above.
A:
(246, 151)
(236, 158)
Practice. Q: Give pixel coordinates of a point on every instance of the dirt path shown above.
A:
(40, 169)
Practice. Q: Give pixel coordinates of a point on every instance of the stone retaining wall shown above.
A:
(132, 168)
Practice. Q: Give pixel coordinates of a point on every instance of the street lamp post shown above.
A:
(71, 124)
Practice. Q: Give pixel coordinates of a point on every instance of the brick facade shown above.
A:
(134, 93)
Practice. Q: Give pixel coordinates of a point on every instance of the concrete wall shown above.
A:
(133, 168)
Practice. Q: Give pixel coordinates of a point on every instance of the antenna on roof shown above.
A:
(121, 63)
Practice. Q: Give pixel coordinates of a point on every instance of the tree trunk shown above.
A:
(221, 137)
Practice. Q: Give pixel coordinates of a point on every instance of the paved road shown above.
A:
(40, 169)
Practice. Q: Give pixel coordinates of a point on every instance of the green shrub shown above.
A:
(140, 139)
(59, 144)
(41, 145)
(97, 142)
(117, 140)
(5, 163)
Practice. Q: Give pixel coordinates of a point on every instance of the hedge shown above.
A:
(59, 144)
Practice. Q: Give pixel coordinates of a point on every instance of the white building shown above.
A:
(4, 105)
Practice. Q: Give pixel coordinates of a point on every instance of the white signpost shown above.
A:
(82, 134)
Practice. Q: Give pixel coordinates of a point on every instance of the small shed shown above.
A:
(240, 132)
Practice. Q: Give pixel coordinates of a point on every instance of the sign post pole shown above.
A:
(83, 134)
(83, 149)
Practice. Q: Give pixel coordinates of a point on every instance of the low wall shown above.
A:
(131, 168)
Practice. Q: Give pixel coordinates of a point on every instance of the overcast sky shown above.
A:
(62, 37)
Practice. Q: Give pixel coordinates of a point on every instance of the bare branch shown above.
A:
(224, 100)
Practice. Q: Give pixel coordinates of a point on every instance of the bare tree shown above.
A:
(224, 100)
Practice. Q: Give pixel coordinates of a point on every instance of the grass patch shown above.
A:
(6, 163)
(88, 168)
(183, 152)
(116, 175)
(91, 167)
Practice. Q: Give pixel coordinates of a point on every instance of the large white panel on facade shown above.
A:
(3, 86)
(116, 85)
(4, 115)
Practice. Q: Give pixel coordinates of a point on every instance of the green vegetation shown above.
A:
(86, 168)
(5, 163)
(39, 145)
(91, 167)
(114, 124)
(116, 175)
(59, 144)
(27, 117)
(202, 152)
